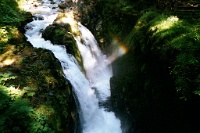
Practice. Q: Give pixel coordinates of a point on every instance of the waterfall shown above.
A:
(98, 71)
(93, 119)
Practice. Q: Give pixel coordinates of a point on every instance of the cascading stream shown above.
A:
(93, 118)
(98, 71)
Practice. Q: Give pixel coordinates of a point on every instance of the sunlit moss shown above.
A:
(68, 18)
(51, 81)
(45, 110)
(15, 92)
(22, 3)
(8, 32)
(164, 24)
(3, 35)
(8, 57)
(9, 35)
(171, 39)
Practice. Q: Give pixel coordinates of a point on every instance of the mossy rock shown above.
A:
(39, 69)
(62, 5)
(59, 34)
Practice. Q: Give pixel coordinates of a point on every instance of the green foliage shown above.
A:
(117, 16)
(160, 69)
(16, 113)
(9, 12)
(6, 76)
(3, 98)
(175, 41)
(30, 91)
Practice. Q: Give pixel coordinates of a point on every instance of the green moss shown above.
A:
(160, 74)
(62, 37)
(173, 40)
(10, 12)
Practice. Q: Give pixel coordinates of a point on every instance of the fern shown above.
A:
(4, 99)
(20, 116)
(6, 76)
(30, 91)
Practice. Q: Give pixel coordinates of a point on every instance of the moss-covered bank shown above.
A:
(157, 87)
(34, 95)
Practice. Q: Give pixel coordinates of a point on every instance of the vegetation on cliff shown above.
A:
(34, 95)
(155, 87)
(10, 13)
(158, 82)
(175, 42)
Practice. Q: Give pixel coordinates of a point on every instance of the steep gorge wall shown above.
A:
(154, 88)
(153, 85)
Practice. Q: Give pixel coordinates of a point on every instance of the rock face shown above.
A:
(91, 17)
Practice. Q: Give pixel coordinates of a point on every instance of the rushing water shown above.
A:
(93, 119)
(98, 71)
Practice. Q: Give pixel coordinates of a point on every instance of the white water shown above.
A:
(97, 67)
(93, 118)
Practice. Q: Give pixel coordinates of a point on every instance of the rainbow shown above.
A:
(118, 49)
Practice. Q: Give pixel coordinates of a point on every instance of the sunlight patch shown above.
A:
(8, 58)
(8, 62)
(3, 35)
(165, 24)
(45, 110)
(15, 93)
(68, 18)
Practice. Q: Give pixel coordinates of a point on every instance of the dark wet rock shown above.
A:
(63, 5)
(38, 17)
(59, 34)
(27, 18)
